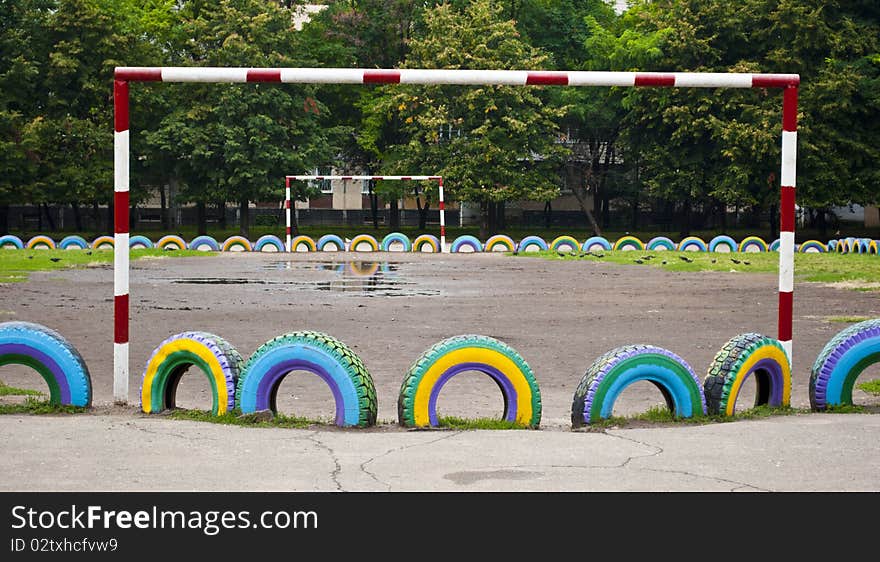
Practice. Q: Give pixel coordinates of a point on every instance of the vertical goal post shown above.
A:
(788, 83)
(438, 179)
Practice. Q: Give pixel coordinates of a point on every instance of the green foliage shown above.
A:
(235, 417)
(6, 390)
(452, 422)
(35, 406)
(871, 387)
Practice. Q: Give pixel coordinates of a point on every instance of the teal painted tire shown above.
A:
(72, 242)
(268, 241)
(52, 356)
(565, 244)
(136, 242)
(399, 238)
(723, 241)
(692, 244)
(532, 244)
(330, 359)
(10, 241)
(629, 243)
(753, 244)
(330, 240)
(659, 243)
(612, 372)
(596, 242)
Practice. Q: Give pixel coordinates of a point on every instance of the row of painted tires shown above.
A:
(397, 241)
(252, 386)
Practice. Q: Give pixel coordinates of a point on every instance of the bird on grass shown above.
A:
(639, 261)
(55, 259)
(734, 260)
(685, 258)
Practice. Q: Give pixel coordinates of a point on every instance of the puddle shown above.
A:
(366, 278)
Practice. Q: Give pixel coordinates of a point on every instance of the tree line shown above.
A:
(686, 151)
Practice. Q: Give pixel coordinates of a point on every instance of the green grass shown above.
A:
(6, 390)
(39, 407)
(859, 270)
(847, 319)
(16, 265)
(871, 387)
(662, 415)
(453, 422)
(235, 417)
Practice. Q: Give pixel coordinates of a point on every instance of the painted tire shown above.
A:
(318, 353)
(363, 239)
(561, 242)
(136, 242)
(723, 241)
(103, 243)
(330, 240)
(204, 243)
(216, 358)
(841, 362)
(753, 244)
(832, 245)
(873, 247)
(774, 246)
(466, 241)
(265, 242)
(237, 244)
(594, 241)
(692, 244)
(72, 242)
(171, 242)
(398, 237)
(865, 245)
(296, 243)
(502, 241)
(812, 246)
(741, 356)
(629, 243)
(660, 243)
(532, 241)
(426, 241)
(11, 241)
(40, 241)
(53, 357)
(417, 401)
(615, 370)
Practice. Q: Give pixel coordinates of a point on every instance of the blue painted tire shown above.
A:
(660, 243)
(595, 241)
(204, 243)
(774, 246)
(140, 242)
(812, 246)
(399, 238)
(72, 242)
(333, 361)
(612, 372)
(841, 362)
(832, 245)
(426, 241)
(10, 240)
(52, 356)
(725, 241)
(330, 240)
(269, 240)
(466, 241)
(532, 242)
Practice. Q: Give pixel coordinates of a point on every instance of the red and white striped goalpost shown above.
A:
(123, 75)
(438, 179)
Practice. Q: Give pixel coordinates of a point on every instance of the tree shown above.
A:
(502, 145)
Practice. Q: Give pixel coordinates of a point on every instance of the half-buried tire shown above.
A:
(52, 356)
(333, 361)
(744, 355)
(216, 358)
(417, 401)
(841, 362)
(612, 372)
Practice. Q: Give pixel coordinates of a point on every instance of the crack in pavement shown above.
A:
(165, 433)
(363, 465)
(313, 437)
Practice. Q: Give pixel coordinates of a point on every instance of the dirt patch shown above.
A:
(389, 308)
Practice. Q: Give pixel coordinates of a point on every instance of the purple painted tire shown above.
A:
(841, 362)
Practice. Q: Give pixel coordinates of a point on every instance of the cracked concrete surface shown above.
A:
(116, 452)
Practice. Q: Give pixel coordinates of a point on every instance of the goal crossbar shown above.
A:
(788, 83)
